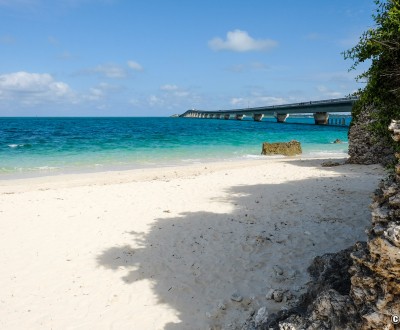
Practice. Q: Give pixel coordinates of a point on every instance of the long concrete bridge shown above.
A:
(320, 110)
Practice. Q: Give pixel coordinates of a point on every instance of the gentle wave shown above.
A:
(262, 156)
(62, 144)
(47, 168)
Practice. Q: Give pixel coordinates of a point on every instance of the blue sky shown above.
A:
(157, 58)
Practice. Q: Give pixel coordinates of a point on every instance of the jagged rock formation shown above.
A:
(357, 288)
(365, 146)
(282, 148)
(326, 304)
(375, 282)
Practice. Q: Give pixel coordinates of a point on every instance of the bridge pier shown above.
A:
(321, 118)
(218, 116)
(258, 116)
(239, 116)
(227, 116)
(281, 117)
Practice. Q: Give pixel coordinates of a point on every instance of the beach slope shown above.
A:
(192, 247)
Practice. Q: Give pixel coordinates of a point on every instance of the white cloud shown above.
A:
(110, 71)
(240, 41)
(135, 66)
(32, 88)
(24, 82)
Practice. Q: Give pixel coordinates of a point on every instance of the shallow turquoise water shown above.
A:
(75, 144)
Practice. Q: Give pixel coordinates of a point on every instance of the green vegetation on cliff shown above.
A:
(381, 45)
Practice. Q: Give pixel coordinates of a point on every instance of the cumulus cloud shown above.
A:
(240, 41)
(135, 66)
(24, 82)
(32, 88)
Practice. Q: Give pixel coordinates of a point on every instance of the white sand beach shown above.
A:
(167, 248)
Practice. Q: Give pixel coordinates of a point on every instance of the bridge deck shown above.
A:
(332, 105)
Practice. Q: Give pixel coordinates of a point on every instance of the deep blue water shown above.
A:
(73, 144)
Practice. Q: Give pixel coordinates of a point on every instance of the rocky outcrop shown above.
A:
(365, 146)
(326, 304)
(282, 148)
(358, 288)
(376, 271)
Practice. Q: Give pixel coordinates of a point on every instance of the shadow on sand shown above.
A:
(197, 260)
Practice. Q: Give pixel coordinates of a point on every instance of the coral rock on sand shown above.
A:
(282, 148)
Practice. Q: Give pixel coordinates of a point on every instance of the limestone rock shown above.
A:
(375, 282)
(282, 148)
(326, 304)
(365, 146)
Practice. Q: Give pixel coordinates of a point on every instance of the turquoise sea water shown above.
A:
(59, 145)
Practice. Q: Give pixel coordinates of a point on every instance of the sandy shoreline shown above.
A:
(167, 248)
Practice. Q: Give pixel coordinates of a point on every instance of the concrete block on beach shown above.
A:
(282, 148)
